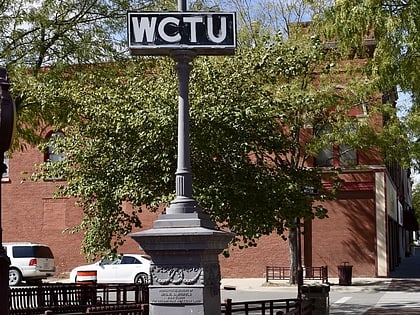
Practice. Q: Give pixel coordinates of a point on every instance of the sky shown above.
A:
(403, 104)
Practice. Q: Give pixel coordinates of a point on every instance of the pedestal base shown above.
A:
(185, 271)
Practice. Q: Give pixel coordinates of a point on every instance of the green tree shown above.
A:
(416, 201)
(257, 118)
(394, 25)
(123, 148)
(249, 114)
(54, 34)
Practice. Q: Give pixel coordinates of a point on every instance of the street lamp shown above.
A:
(7, 124)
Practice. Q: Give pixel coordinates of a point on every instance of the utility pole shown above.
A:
(7, 126)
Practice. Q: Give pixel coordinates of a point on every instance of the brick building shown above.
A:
(368, 226)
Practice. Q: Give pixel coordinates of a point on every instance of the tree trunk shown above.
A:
(293, 255)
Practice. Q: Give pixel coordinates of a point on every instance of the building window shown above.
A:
(325, 157)
(347, 155)
(5, 176)
(336, 155)
(51, 154)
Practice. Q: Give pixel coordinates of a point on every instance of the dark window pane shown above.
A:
(348, 155)
(325, 157)
(23, 251)
(130, 260)
(43, 252)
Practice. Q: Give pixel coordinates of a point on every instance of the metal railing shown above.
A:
(120, 299)
(267, 307)
(67, 298)
(136, 309)
(283, 273)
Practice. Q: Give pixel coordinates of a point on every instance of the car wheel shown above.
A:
(141, 278)
(15, 277)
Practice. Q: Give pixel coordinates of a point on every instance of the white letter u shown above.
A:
(220, 37)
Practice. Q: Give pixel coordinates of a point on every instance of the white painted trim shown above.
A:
(381, 225)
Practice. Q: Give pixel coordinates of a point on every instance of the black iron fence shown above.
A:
(131, 309)
(268, 307)
(283, 273)
(120, 299)
(67, 298)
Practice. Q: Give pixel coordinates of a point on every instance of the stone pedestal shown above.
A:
(185, 271)
(319, 294)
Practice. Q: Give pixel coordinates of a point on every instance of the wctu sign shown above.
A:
(160, 33)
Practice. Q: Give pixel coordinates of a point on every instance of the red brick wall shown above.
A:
(30, 214)
(347, 236)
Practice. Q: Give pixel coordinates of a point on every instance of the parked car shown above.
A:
(29, 262)
(126, 268)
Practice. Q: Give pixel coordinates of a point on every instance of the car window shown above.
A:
(32, 251)
(117, 261)
(107, 262)
(130, 260)
(23, 251)
(42, 252)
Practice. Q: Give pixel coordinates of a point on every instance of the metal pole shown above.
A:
(182, 5)
(4, 259)
(183, 173)
(6, 131)
(299, 269)
(183, 203)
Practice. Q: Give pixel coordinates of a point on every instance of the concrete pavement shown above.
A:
(403, 293)
(399, 294)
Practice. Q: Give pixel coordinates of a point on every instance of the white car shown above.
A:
(127, 268)
(29, 262)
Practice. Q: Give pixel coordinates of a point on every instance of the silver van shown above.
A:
(29, 262)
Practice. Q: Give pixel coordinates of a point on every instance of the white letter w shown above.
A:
(144, 27)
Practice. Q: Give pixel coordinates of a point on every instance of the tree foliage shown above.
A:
(54, 34)
(416, 200)
(394, 25)
(123, 148)
(256, 121)
(248, 115)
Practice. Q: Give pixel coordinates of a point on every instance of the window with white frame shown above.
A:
(336, 155)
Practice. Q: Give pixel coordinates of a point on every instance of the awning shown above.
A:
(410, 221)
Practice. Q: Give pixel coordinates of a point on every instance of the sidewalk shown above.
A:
(260, 284)
(409, 267)
(406, 274)
(401, 291)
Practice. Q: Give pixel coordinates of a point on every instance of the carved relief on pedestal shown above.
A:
(176, 275)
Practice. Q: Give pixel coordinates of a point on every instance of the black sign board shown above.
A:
(160, 33)
(309, 190)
